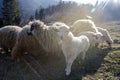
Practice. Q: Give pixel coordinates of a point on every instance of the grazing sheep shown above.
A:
(72, 46)
(106, 36)
(26, 43)
(8, 35)
(46, 36)
(83, 25)
(93, 37)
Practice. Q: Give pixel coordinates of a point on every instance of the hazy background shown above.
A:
(68, 10)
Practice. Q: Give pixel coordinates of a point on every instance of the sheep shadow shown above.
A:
(54, 65)
(90, 65)
(51, 67)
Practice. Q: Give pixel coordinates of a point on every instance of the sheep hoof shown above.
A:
(67, 73)
(9, 50)
(3, 52)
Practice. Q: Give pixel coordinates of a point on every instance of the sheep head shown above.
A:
(98, 36)
(35, 25)
(61, 28)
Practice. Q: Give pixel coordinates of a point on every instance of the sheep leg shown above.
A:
(83, 55)
(17, 52)
(69, 62)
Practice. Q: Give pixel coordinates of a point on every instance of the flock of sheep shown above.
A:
(36, 37)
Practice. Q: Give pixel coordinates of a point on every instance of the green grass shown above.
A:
(110, 67)
(99, 64)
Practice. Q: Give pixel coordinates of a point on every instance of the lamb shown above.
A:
(54, 41)
(71, 46)
(106, 36)
(83, 25)
(8, 36)
(93, 37)
(43, 39)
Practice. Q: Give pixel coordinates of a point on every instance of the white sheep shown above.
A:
(8, 36)
(93, 37)
(106, 36)
(71, 46)
(26, 44)
(83, 25)
(46, 36)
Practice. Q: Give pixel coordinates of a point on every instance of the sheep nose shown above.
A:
(32, 27)
(29, 33)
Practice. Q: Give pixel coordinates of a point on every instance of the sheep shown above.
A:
(26, 44)
(93, 37)
(8, 36)
(83, 25)
(42, 40)
(46, 36)
(106, 36)
(71, 46)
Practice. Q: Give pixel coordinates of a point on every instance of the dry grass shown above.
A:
(100, 64)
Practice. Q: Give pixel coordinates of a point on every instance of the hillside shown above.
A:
(100, 64)
(28, 7)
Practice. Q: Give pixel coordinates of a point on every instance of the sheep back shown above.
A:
(47, 37)
(8, 35)
(83, 25)
(26, 43)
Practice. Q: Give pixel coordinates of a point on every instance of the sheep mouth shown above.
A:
(29, 33)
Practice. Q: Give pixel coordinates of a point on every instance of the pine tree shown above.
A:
(11, 14)
(41, 14)
(36, 14)
(31, 18)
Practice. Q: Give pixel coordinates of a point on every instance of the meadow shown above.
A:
(99, 64)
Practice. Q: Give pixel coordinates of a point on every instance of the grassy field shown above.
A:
(100, 64)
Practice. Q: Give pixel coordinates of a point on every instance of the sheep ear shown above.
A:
(55, 28)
